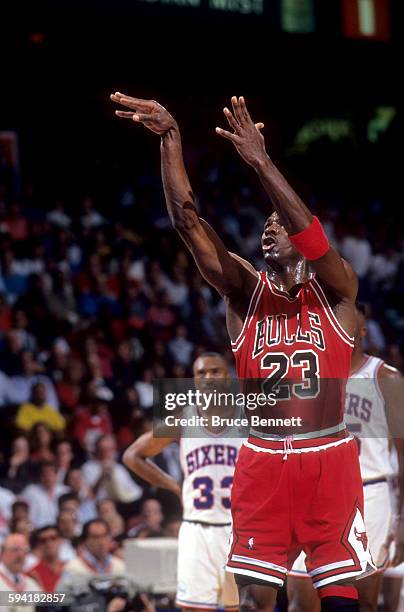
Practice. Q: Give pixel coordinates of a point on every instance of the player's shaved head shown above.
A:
(210, 365)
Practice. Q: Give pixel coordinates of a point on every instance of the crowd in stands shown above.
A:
(95, 305)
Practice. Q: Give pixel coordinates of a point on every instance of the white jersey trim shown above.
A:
(331, 566)
(338, 577)
(252, 307)
(308, 449)
(252, 574)
(253, 561)
(189, 604)
(349, 340)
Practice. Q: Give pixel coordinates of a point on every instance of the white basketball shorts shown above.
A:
(202, 580)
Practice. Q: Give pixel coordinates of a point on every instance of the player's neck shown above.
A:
(288, 276)
(357, 360)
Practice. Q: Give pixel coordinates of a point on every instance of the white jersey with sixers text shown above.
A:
(208, 462)
(366, 418)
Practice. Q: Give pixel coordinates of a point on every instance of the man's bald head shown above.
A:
(210, 366)
(13, 552)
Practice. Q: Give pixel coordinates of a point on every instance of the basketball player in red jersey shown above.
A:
(290, 493)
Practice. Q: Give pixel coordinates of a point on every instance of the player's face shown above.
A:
(210, 373)
(275, 242)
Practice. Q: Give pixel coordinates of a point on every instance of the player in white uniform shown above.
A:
(371, 411)
(393, 576)
(207, 458)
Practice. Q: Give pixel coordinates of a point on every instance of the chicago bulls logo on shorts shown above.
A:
(361, 537)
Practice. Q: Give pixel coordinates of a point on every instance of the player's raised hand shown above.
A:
(154, 116)
(246, 135)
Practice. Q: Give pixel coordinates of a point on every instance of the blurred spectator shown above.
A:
(19, 509)
(5, 314)
(16, 223)
(107, 477)
(80, 499)
(43, 497)
(209, 329)
(26, 340)
(124, 367)
(41, 441)
(176, 288)
(90, 422)
(29, 375)
(108, 512)
(18, 470)
(38, 411)
(22, 525)
(12, 578)
(144, 388)
(180, 347)
(58, 217)
(7, 498)
(64, 456)
(60, 299)
(151, 518)
(5, 390)
(161, 317)
(69, 387)
(356, 249)
(48, 571)
(93, 558)
(90, 217)
(69, 529)
(374, 342)
(12, 280)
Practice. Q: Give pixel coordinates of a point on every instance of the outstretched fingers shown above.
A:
(134, 103)
(233, 137)
(236, 109)
(243, 109)
(230, 119)
(143, 117)
(124, 114)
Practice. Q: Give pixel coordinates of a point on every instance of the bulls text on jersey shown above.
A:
(277, 329)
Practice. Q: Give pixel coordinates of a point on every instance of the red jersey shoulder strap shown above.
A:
(252, 307)
(336, 325)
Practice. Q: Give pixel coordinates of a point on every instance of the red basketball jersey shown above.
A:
(297, 340)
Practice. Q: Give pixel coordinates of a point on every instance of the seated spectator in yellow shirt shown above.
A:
(38, 411)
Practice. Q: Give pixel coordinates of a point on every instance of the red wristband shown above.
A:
(312, 242)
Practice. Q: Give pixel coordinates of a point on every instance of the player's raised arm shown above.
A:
(304, 230)
(224, 272)
(137, 459)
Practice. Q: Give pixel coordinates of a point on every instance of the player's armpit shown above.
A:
(336, 274)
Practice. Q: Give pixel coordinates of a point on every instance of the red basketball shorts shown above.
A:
(306, 495)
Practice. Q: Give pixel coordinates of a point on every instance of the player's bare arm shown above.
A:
(137, 459)
(391, 383)
(234, 280)
(247, 138)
